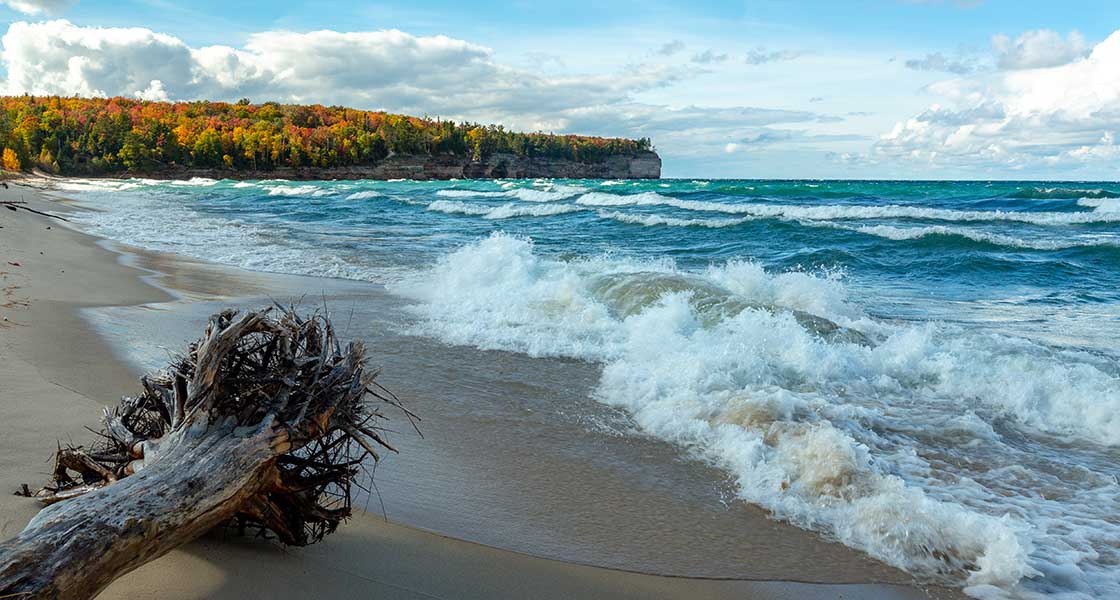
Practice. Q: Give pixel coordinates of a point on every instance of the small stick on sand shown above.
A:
(16, 205)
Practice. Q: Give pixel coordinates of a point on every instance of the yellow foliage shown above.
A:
(9, 160)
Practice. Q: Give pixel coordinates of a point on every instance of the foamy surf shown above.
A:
(891, 232)
(549, 194)
(845, 212)
(818, 427)
(660, 220)
(504, 211)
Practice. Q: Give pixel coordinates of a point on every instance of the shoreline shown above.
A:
(366, 553)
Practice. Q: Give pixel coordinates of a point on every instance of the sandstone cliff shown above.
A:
(644, 165)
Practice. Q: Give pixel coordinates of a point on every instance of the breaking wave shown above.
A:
(505, 211)
(364, 195)
(660, 220)
(524, 194)
(869, 432)
(1104, 205)
(996, 239)
(845, 212)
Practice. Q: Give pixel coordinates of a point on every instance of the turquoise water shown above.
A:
(924, 371)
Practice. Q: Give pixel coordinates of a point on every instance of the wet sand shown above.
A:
(56, 373)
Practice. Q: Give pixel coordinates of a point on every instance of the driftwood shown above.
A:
(263, 424)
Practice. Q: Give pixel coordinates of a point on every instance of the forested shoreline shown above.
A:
(114, 136)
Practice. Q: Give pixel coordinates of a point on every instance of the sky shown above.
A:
(883, 89)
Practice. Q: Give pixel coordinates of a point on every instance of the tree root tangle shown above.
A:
(263, 423)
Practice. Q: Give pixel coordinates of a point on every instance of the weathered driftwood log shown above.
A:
(263, 423)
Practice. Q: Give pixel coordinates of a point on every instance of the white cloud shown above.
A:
(35, 7)
(1038, 49)
(57, 57)
(390, 70)
(1058, 116)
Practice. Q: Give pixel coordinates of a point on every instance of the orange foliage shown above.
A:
(97, 135)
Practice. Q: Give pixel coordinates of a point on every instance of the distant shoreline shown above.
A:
(643, 165)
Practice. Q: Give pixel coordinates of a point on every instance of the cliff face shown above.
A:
(644, 165)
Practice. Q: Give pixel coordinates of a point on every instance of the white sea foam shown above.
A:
(912, 233)
(297, 191)
(454, 207)
(96, 185)
(885, 440)
(532, 195)
(884, 231)
(525, 194)
(1102, 205)
(144, 221)
(505, 211)
(366, 195)
(890, 232)
(194, 182)
(520, 210)
(470, 194)
(843, 212)
(661, 220)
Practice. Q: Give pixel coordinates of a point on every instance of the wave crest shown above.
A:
(815, 408)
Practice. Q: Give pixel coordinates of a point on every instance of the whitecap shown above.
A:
(1102, 205)
(752, 372)
(661, 220)
(364, 195)
(846, 212)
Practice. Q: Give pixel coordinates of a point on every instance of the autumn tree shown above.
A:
(10, 160)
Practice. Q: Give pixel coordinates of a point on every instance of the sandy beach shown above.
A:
(56, 373)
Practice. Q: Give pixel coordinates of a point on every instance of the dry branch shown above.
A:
(263, 423)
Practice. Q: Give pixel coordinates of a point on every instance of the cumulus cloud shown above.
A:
(939, 62)
(1038, 49)
(380, 69)
(761, 56)
(1064, 115)
(35, 7)
(390, 70)
(59, 58)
